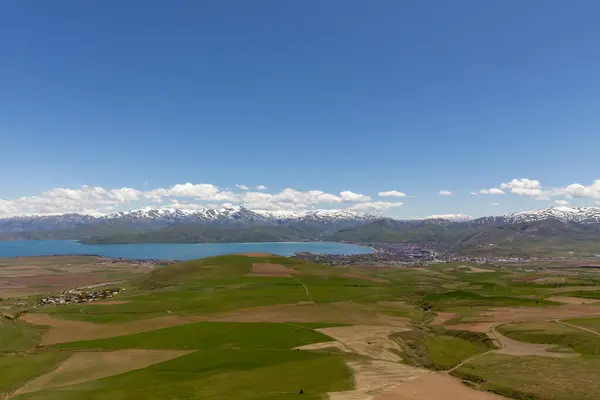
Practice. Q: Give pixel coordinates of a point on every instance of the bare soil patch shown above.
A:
(573, 300)
(340, 313)
(484, 321)
(257, 254)
(368, 278)
(442, 317)
(375, 377)
(368, 340)
(29, 285)
(324, 346)
(22, 276)
(70, 280)
(19, 267)
(471, 269)
(88, 366)
(64, 331)
(436, 386)
(479, 270)
(574, 289)
(481, 327)
(516, 348)
(267, 269)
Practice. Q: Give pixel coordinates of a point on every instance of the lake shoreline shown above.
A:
(172, 251)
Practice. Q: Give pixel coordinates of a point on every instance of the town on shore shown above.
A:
(399, 254)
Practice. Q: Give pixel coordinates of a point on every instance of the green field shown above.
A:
(535, 378)
(238, 330)
(553, 333)
(211, 335)
(18, 336)
(246, 374)
(440, 349)
(15, 370)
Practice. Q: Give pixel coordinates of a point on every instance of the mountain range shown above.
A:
(556, 228)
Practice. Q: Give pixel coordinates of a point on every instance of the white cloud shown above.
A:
(534, 189)
(561, 202)
(86, 199)
(374, 206)
(473, 193)
(526, 187)
(189, 206)
(290, 195)
(578, 190)
(491, 191)
(292, 199)
(494, 204)
(204, 191)
(392, 193)
(96, 200)
(90, 199)
(351, 196)
(125, 195)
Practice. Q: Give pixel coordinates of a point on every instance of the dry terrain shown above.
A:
(24, 276)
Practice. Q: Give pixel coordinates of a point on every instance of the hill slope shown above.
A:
(267, 327)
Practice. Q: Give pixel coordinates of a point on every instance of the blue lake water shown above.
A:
(171, 251)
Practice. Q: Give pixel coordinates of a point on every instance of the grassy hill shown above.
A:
(268, 327)
(390, 231)
(534, 238)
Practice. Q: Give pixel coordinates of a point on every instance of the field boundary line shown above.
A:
(15, 392)
(477, 355)
(305, 289)
(577, 327)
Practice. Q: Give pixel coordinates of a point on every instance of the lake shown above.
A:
(171, 251)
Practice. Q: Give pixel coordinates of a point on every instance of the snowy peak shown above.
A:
(228, 216)
(581, 215)
(450, 217)
(584, 215)
(235, 216)
(238, 213)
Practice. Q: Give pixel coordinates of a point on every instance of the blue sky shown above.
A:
(335, 96)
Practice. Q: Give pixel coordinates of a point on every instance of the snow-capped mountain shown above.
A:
(45, 222)
(232, 216)
(450, 217)
(582, 215)
(173, 215)
(241, 214)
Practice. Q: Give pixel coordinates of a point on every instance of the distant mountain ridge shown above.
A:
(553, 229)
(581, 215)
(158, 218)
(449, 217)
(240, 217)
